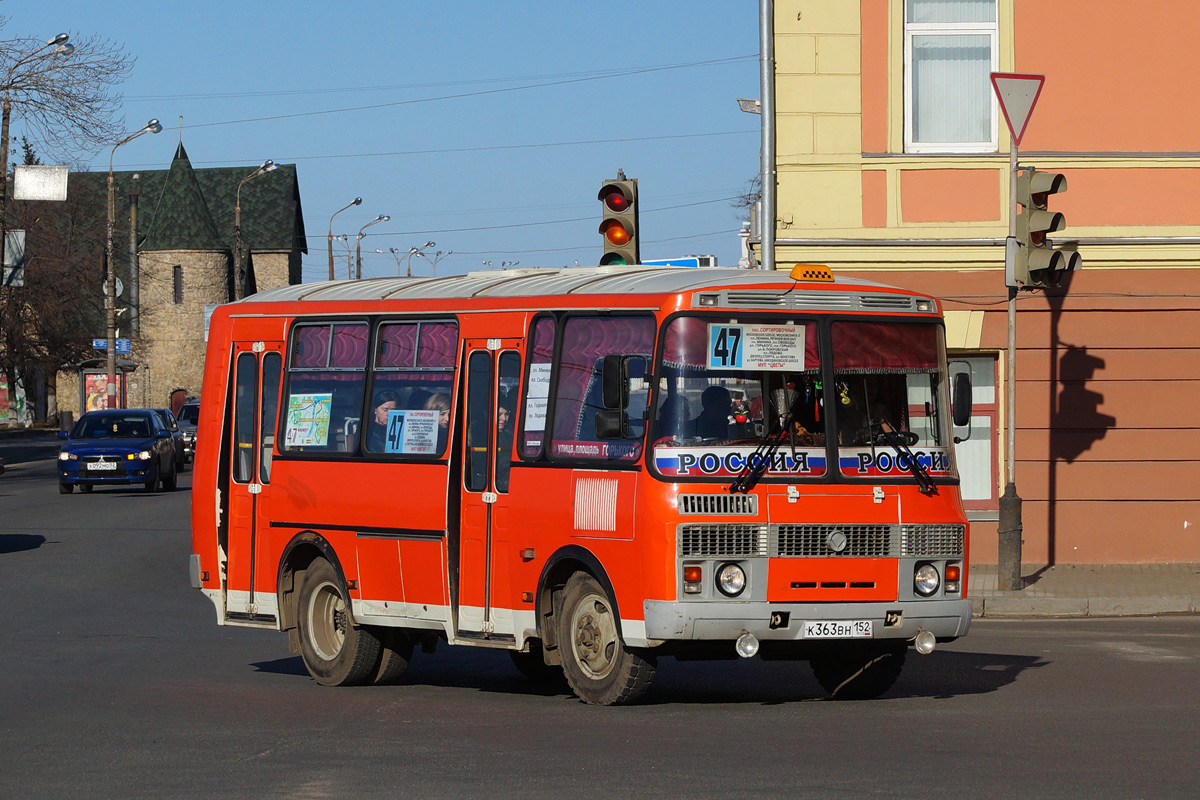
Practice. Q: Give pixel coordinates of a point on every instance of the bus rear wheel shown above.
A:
(396, 649)
(336, 652)
(598, 666)
(859, 671)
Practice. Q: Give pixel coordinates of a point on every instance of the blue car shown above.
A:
(117, 446)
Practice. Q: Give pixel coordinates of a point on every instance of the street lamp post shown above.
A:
(433, 262)
(355, 202)
(61, 48)
(395, 256)
(239, 273)
(415, 251)
(110, 286)
(358, 244)
(344, 238)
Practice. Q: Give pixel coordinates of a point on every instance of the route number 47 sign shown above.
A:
(756, 347)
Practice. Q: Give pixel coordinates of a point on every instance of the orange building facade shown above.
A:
(892, 162)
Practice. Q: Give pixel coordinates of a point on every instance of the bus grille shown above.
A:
(861, 541)
(932, 540)
(742, 504)
(734, 541)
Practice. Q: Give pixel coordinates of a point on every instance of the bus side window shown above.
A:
(327, 375)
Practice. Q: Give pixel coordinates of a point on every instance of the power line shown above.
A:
(480, 93)
(485, 148)
(439, 231)
(426, 85)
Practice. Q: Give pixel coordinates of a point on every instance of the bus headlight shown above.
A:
(731, 580)
(926, 580)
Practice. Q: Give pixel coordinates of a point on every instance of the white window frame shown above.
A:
(989, 29)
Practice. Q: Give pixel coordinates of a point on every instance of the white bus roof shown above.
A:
(622, 280)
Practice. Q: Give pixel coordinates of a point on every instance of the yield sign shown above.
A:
(1018, 95)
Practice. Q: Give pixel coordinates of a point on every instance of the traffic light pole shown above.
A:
(1009, 545)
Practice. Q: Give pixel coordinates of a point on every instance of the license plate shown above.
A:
(838, 629)
(103, 465)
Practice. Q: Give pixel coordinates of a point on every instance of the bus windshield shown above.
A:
(727, 385)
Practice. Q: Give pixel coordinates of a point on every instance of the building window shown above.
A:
(950, 47)
(976, 452)
(178, 284)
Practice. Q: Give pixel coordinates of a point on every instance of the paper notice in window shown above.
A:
(412, 432)
(308, 420)
(755, 347)
(536, 399)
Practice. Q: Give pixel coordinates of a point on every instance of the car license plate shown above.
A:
(838, 629)
(103, 465)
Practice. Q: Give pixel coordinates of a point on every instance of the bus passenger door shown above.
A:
(257, 373)
(493, 371)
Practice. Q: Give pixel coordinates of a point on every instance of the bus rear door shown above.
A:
(257, 374)
(493, 370)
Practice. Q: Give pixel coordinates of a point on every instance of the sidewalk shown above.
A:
(19, 445)
(1089, 590)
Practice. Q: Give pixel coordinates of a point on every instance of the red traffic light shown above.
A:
(615, 198)
(615, 232)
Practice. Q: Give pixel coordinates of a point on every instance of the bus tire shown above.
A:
(859, 672)
(336, 652)
(396, 649)
(598, 666)
(534, 667)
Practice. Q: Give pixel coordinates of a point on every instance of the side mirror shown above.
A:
(64, 434)
(612, 422)
(962, 399)
(614, 387)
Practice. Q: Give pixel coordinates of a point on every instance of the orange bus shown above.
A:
(588, 467)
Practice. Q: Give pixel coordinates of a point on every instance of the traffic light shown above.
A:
(619, 221)
(1037, 264)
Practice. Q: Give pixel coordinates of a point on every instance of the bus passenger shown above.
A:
(385, 401)
(713, 422)
(441, 402)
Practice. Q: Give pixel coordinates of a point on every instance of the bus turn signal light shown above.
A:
(692, 578)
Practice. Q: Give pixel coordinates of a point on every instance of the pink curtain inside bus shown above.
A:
(349, 350)
(889, 347)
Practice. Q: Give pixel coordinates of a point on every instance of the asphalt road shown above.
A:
(118, 683)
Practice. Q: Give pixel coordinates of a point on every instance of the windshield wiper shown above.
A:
(918, 470)
(758, 461)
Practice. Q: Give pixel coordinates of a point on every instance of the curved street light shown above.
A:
(239, 271)
(358, 244)
(355, 202)
(433, 262)
(110, 286)
(416, 251)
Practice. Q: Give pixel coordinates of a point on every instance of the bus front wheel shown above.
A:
(859, 672)
(336, 652)
(598, 666)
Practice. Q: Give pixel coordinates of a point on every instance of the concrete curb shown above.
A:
(998, 607)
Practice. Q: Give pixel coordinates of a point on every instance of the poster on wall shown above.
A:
(95, 391)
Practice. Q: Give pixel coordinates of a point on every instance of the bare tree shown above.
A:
(64, 93)
(748, 199)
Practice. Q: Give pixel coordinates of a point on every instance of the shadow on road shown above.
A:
(19, 542)
(945, 674)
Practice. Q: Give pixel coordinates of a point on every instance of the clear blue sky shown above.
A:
(493, 123)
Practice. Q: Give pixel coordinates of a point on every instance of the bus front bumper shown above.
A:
(674, 621)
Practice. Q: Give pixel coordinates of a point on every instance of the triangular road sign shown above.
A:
(1018, 95)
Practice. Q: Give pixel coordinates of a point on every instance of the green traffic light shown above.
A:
(613, 259)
